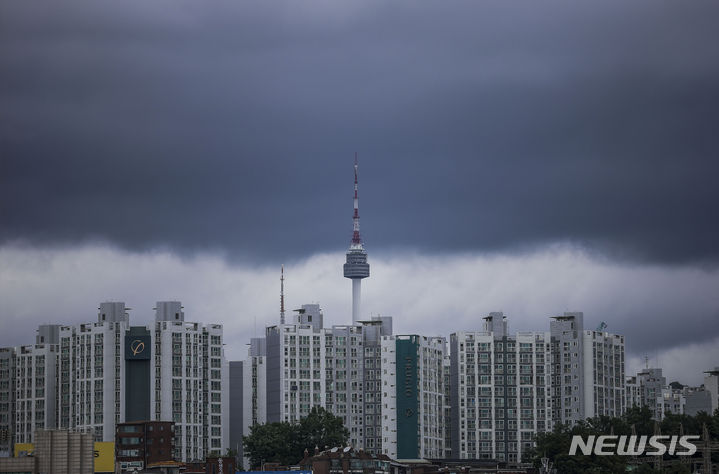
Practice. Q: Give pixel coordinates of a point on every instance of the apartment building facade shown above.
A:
(413, 396)
(501, 393)
(589, 370)
(7, 401)
(173, 370)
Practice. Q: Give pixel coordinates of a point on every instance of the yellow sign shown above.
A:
(23, 449)
(104, 454)
(137, 346)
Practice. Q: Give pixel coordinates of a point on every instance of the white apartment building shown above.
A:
(91, 382)
(372, 332)
(7, 400)
(413, 396)
(254, 384)
(588, 373)
(604, 374)
(249, 406)
(344, 378)
(633, 393)
(188, 370)
(505, 389)
(299, 365)
(296, 366)
(501, 390)
(35, 387)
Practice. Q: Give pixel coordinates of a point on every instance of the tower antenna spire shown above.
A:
(282, 295)
(356, 239)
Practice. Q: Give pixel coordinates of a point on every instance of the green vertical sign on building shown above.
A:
(407, 398)
(138, 353)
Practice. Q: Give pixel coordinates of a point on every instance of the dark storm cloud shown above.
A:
(480, 126)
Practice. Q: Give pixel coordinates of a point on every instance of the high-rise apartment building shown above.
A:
(248, 394)
(254, 384)
(633, 393)
(501, 390)
(604, 370)
(507, 388)
(7, 400)
(344, 378)
(36, 384)
(295, 366)
(413, 396)
(189, 382)
(372, 332)
(589, 374)
(91, 379)
(302, 364)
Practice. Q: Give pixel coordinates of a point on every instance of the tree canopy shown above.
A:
(285, 442)
(555, 445)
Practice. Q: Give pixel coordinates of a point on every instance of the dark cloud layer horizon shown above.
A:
(481, 126)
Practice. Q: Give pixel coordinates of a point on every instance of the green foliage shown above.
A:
(555, 445)
(285, 442)
(321, 428)
(271, 442)
(676, 385)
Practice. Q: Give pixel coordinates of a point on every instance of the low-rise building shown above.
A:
(139, 444)
(56, 452)
(697, 400)
(711, 385)
(347, 460)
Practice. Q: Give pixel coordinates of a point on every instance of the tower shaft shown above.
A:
(356, 295)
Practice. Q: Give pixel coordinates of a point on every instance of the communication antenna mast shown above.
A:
(356, 239)
(282, 295)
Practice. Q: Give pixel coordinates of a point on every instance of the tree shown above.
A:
(555, 445)
(286, 442)
(271, 442)
(321, 428)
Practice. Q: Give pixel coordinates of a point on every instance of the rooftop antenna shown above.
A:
(282, 295)
(356, 239)
(646, 361)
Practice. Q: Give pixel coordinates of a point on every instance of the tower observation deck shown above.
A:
(356, 267)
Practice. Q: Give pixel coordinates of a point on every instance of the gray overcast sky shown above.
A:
(483, 128)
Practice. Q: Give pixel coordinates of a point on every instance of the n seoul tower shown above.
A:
(356, 267)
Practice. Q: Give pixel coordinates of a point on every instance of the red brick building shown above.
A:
(140, 443)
